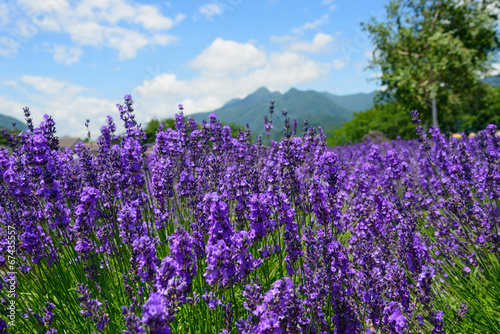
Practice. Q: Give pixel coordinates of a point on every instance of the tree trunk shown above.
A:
(434, 111)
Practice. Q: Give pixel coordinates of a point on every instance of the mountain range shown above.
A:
(320, 109)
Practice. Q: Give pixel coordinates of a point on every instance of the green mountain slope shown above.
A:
(6, 122)
(354, 102)
(317, 108)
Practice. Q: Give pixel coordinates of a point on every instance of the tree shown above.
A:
(433, 53)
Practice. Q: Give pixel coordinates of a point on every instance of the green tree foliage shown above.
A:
(391, 118)
(436, 48)
(153, 125)
(488, 113)
(234, 128)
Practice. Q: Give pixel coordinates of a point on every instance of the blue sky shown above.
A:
(76, 59)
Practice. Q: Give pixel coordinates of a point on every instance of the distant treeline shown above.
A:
(392, 119)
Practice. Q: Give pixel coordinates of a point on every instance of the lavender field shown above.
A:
(213, 234)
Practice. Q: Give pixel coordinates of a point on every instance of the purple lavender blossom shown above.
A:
(155, 315)
(279, 312)
(92, 308)
(396, 321)
(144, 255)
(132, 322)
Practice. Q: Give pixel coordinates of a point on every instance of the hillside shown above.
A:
(353, 102)
(6, 122)
(318, 108)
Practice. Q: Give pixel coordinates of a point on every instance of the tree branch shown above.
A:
(435, 16)
(405, 53)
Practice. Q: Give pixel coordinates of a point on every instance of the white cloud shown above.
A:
(496, 69)
(229, 57)
(210, 10)
(329, 3)
(152, 19)
(44, 14)
(7, 82)
(179, 18)
(118, 24)
(282, 39)
(8, 46)
(114, 11)
(66, 55)
(128, 43)
(88, 33)
(163, 84)
(319, 43)
(60, 100)
(360, 67)
(4, 14)
(339, 63)
(287, 69)
(11, 108)
(324, 19)
(216, 83)
(50, 86)
(368, 53)
(125, 41)
(68, 122)
(163, 39)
